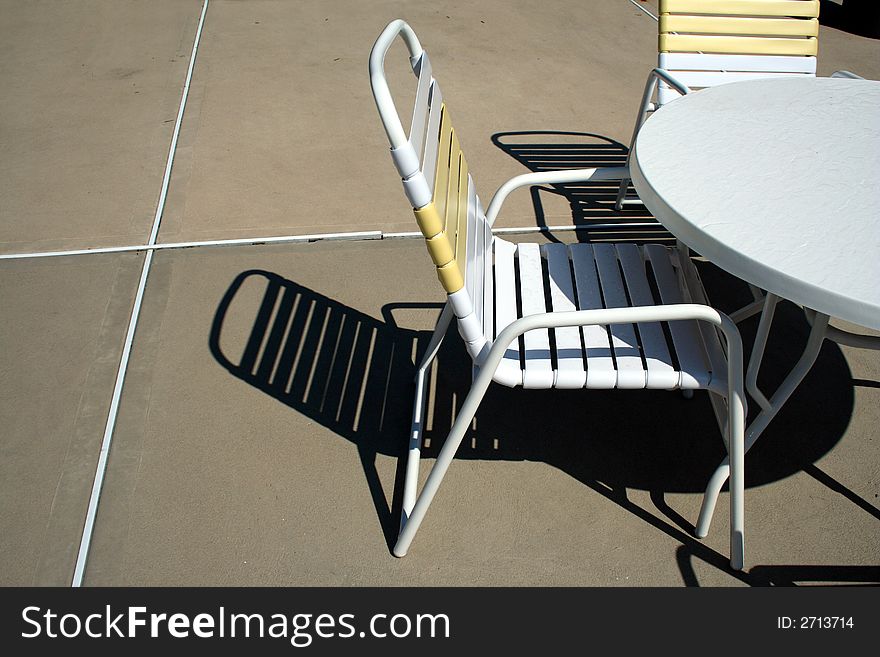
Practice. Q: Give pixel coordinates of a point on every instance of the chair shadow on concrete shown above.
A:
(591, 204)
(789, 575)
(353, 374)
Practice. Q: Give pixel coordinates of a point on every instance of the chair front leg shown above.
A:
(759, 424)
(736, 453)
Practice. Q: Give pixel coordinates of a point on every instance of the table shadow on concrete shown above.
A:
(353, 374)
(788, 575)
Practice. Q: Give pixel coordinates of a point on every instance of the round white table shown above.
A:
(776, 181)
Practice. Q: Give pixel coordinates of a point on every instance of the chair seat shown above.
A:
(531, 279)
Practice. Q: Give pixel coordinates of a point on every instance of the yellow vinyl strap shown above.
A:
(737, 45)
(800, 8)
(443, 221)
(789, 27)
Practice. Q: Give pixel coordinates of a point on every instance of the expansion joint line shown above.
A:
(642, 7)
(89, 524)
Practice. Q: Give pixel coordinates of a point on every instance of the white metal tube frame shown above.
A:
(487, 367)
(820, 331)
(750, 309)
(770, 407)
(517, 182)
(411, 480)
(654, 78)
(381, 94)
(766, 305)
(549, 178)
(845, 337)
(846, 74)
(397, 137)
(769, 308)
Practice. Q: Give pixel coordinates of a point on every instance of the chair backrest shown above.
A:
(440, 189)
(708, 42)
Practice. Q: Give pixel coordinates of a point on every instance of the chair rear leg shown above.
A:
(621, 194)
(410, 482)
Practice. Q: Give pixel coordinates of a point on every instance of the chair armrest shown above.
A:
(846, 74)
(489, 361)
(550, 178)
(667, 77)
(626, 315)
(654, 77)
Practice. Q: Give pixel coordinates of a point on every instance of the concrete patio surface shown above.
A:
(282, 466)
(90, 92)
(266, 404)
(62, 329)
(282, 135)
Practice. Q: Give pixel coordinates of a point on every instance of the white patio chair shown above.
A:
(608, 323)
(704, 43)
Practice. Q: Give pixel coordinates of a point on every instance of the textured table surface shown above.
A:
(776, 181)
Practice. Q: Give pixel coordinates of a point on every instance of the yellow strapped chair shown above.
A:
(609, 326)
(703, 43)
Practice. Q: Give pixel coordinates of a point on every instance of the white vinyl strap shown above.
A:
(661, 373)
(630, 370)
(538, 364)
(600, 365)
(509, 372)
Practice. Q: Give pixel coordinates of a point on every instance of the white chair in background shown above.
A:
(703, 43)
